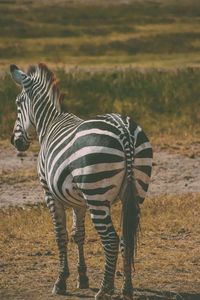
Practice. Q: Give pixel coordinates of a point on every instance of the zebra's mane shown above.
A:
(41, 70)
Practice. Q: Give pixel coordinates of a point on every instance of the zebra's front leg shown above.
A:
(101, 218)
(59, 220)
(78, 235)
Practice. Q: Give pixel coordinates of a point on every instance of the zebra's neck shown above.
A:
(44, 113)
(46, 103)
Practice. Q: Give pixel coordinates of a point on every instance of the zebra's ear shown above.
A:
(17, 75)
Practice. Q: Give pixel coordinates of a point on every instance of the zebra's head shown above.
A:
(20, 138)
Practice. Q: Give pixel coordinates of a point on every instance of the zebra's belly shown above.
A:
(95, 182)
(66, 191)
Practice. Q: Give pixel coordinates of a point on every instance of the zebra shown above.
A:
(84, 164)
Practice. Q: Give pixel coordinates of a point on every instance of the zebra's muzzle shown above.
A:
(20, 143)
(12, 139)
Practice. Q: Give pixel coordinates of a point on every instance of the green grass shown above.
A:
(161, 101)
(165, 102)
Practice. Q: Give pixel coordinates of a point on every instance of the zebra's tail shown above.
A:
(138, 153)
(130, 205)
(130, 219)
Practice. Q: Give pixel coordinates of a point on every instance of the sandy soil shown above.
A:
(172, 174)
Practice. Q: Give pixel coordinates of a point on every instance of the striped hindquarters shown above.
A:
(137, 150)
(142, 164)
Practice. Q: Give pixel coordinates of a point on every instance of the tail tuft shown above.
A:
(130, 219)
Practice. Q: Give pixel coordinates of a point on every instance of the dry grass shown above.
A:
(170, 242)
(18, 176)
(166, 33)
(167, 260)
(184, 143)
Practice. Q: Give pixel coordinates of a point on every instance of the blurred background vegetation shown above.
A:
(137, 57)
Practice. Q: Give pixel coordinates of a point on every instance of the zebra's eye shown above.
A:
(17, 103)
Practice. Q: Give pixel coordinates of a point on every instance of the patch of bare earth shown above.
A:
(167, 264)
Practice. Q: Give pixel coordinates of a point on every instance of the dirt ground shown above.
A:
(174, 172)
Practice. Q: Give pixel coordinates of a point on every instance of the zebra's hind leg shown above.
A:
(127, 289)
(100, 214)
(122, 246)
(78, 235)
(59, 220)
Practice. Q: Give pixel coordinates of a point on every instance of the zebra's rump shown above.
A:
(90, 161)
(142, 153)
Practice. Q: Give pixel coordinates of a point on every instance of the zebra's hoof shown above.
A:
(59, 288)
(83, 283)
(58, 291)
(102, 295)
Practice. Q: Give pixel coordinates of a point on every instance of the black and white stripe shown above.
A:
(83, 164)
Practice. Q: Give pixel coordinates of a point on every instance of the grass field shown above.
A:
(139, 58)
(164, 103)
(167, 259)
(145, 33)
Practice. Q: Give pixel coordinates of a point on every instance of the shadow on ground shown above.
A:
(139, 294)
